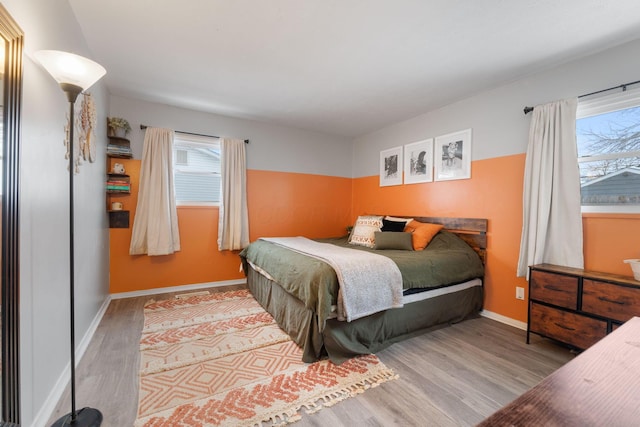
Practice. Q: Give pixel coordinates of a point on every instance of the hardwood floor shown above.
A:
(453, 376)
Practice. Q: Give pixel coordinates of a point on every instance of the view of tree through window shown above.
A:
(609, 157)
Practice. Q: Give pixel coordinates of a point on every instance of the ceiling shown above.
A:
(343, 67)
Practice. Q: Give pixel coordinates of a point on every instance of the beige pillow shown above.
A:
(363, 233)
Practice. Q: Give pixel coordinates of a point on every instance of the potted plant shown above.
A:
(117, 126)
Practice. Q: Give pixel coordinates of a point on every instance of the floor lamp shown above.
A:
(74, 74)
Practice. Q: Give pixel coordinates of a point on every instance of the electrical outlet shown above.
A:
(519, 293)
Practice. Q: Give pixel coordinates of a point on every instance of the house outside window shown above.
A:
(196, 170)
(608, 138)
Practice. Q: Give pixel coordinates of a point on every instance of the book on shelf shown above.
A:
(118, 147)
(119, 187)
(118, 150)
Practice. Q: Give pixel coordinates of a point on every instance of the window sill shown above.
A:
(197, 205)
(611, 215)
(611, 210)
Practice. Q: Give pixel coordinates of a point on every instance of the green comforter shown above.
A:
(446, 260)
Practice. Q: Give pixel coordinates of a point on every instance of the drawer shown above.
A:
(611, 301)
(579, 331)
(556, 289)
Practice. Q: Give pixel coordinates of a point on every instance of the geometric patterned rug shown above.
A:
(221, 360)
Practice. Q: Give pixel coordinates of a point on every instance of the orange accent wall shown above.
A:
(279, 204)
(609, 239)
(495, 192)
(288, 204)
(291, 204)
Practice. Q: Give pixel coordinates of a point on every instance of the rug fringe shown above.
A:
(325, 401)
(285, 416)
(337, 396)
(289, 417)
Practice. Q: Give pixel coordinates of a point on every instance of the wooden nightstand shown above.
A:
(579, 307)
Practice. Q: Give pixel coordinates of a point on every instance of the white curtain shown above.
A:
(155, 226)
(233, 223)
(552, 222)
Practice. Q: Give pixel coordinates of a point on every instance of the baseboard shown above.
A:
(181, 288)
(504, 319)
(45, 412)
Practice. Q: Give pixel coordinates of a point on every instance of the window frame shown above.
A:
(193, 140)
(601, 104)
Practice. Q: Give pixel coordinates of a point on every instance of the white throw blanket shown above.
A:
(369, 283)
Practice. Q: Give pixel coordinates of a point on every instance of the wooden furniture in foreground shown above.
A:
(600, 387)
(579, 307)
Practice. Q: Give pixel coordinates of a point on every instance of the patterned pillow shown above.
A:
(363, 233)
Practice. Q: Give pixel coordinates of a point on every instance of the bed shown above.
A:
(441, 284)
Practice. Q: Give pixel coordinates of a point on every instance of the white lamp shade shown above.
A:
(68, 68)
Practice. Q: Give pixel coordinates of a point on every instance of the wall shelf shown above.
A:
(117, 184)
(118, 219)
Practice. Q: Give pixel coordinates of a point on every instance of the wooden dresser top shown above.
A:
(587, 274)
(599, 387)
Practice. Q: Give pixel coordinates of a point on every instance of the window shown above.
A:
(608, 137)
(196, 169)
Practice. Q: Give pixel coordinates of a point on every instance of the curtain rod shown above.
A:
(143, 127)
(623, 86)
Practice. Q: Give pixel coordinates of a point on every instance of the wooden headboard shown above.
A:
(471, 230)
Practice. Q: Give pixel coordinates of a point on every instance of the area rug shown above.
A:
(221, 360)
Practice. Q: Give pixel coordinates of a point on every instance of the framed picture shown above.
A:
(391, 166)
(418, 162)
(453, 156)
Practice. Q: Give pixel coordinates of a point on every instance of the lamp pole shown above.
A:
(74, 74)
(72, 92)
(86, 417)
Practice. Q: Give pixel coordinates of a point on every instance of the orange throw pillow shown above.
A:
(422, 233)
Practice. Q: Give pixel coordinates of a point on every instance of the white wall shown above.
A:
(271, 147)
(44, 213)
(499, 126)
